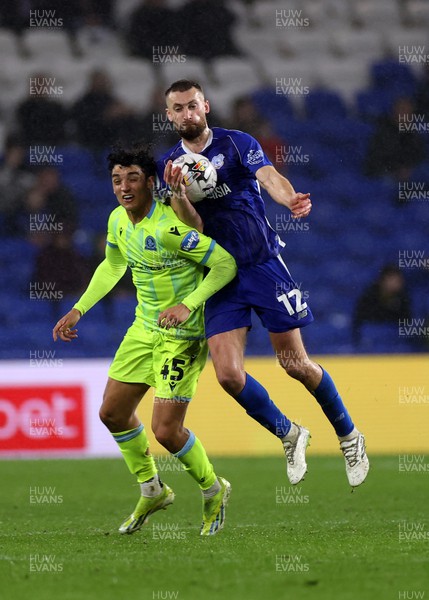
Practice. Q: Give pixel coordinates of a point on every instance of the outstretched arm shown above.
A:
(105, 277)
(281, 191)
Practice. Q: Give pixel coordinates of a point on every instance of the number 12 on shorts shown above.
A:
(295, 293)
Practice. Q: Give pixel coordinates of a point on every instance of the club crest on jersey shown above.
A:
(190, 241)
(255, 156)
(150, 243)
(217, 161)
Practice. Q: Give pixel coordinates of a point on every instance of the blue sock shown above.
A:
(332, 405)
(255, 400)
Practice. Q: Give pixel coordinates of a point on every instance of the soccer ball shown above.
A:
(199, 175)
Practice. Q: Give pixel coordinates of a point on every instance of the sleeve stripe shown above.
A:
(112, 245)
(208, 253)
(238, 151)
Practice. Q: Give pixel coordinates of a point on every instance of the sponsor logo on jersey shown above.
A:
(219, 191)
(150, 243)
(255, 156)
(218, 160)
(190, 241)
(174, 231)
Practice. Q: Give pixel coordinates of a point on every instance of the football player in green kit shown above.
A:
(165, 346)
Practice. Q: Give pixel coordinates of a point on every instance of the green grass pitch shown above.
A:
(318, 540)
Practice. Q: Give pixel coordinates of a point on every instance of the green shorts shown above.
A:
(171, 366)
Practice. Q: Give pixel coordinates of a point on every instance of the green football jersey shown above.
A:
(167, 261)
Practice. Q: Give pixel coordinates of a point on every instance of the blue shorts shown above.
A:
(269, 289)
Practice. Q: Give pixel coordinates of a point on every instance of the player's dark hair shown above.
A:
(136, 153)
(183, 85)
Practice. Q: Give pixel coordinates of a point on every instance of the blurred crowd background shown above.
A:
(336, 92)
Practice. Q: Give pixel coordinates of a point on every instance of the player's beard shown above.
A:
(191, 131)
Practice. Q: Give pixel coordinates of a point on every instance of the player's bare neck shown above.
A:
(137, 215)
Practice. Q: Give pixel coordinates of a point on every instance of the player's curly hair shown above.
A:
(136, 153)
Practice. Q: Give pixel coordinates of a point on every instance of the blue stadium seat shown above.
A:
(393, 76)
(90, 190)
(15, 249)
(372, 104)
(76, 161)
(380, 338)
(323, 104)
(94, 215)
(273, 105)
(347, 137)
(293, 131)
(17, 309)
(123, 309)
(324, 337)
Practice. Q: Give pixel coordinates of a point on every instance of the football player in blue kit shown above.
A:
(234, 215)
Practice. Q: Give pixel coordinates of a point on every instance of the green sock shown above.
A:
(195, 460)
(133, 445)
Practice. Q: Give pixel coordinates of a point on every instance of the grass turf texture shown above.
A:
(329, 543)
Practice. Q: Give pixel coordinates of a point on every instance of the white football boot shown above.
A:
(296, 465)
(357, 463)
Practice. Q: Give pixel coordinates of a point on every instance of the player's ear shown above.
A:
(150, 182)
(207, 106)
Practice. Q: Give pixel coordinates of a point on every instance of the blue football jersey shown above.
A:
(234, 213)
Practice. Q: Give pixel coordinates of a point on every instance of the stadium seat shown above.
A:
(133, 80)
(322, 104)
(123, 309)
(377, 338)
(8, 46)
(99, 43)
(379, 15)
(273, 105)
(389, 75)
(94, 193)
(193, 69)
(94, 217)
(327, 337)
(250, 42)
(374, 103)
(236, 73)
(75, 74)
(417, 12)
(349, 137)
(321, 14)
(405, 37)
(290, 77)
(45, 44)
(76, 161)
(264, 13)
(302, 43)
(345, 75)
(351, 43)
